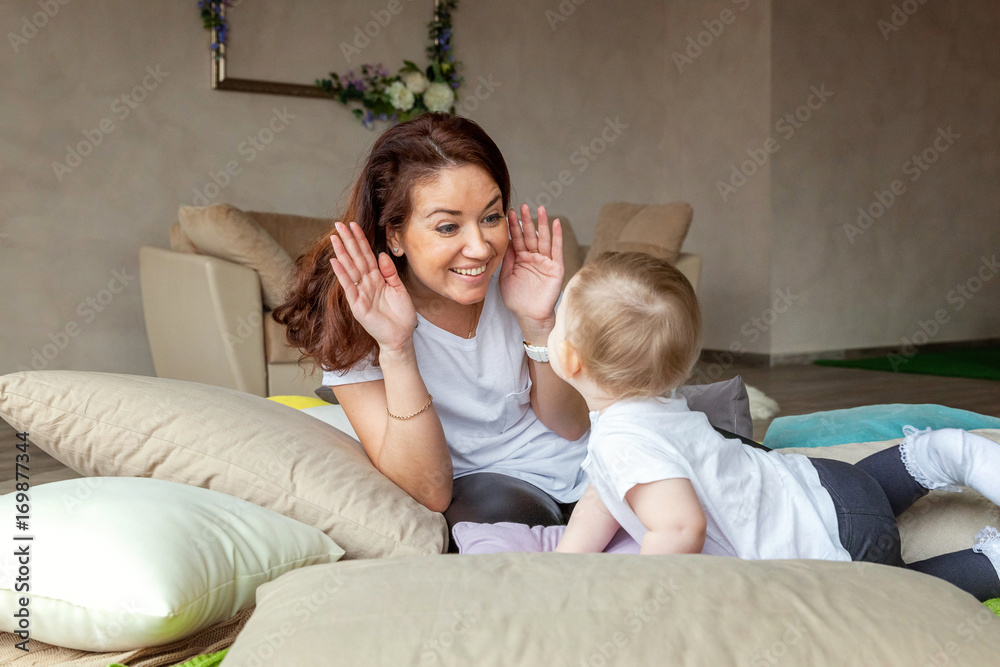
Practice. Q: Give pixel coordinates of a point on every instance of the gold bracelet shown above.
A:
(430, 399)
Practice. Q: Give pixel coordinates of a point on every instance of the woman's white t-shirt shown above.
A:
(757, 504)
(480, 387)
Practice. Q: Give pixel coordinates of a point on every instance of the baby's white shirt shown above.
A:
(757, 504)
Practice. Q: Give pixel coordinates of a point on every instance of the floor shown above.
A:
(803, 389)
(798, 390)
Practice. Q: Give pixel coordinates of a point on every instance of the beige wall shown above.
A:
(871, 287)
(63, 237)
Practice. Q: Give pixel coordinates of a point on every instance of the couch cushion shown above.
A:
(613, 609)
(226, 232)
(295, 233)
(276, 349)
(655, 229)
(572, 254)
(179, 242)
(113, 425)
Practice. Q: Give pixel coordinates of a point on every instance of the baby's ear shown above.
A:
(569, 359)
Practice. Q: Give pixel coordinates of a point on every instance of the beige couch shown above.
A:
(205, 306)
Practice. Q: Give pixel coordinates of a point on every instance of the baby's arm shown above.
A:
(590, 527)
(670, 510)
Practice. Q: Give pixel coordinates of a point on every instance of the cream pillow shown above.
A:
(616, 609)
(223, 231)
(112, 425)
(118, 563)
(658, 229)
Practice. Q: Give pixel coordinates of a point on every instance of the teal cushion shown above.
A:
(870, 423)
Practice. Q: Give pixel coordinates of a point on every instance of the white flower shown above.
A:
(400, 96)
(439, 97)
(415, 81)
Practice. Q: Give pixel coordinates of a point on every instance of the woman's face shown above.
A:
(456, 236)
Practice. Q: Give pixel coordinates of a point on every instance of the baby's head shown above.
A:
(628, 325)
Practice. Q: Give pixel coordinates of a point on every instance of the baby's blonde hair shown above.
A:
(635, 322)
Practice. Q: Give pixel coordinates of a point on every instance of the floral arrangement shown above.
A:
(374, 93)
(211, 17)
(377, 95)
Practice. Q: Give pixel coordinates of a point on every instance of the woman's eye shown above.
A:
(493, 219)
(447, 229)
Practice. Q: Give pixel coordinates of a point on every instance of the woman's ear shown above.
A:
(393, 244)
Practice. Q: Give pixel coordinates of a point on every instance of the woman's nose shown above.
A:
(476, 246)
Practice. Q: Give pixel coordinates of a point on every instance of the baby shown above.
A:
(627, 334)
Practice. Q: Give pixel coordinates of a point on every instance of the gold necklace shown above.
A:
(472, 325)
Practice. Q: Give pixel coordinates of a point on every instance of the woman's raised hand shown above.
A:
(532, 272)
(376, 295)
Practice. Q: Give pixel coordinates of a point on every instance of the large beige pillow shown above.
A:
(223, 231)
(938, 523)
(655, 229)
(613, 609)
(112, 425)
(295, 233)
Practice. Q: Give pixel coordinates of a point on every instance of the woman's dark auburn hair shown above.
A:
(317, 318)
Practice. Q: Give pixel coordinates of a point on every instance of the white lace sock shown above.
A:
(949, 458)
(988, 543)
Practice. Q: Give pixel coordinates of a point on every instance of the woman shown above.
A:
(424, 346)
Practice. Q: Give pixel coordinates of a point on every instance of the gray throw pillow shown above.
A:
(326, 394)
(726, 404)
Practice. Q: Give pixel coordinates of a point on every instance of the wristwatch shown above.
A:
(536, 352)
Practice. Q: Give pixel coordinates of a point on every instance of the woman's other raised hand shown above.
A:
(532, 272)
(374, 291)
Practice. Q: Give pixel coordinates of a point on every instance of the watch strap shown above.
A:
(537, 353)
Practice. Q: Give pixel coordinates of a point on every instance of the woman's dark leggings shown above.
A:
(489, 497)
(869, 495)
